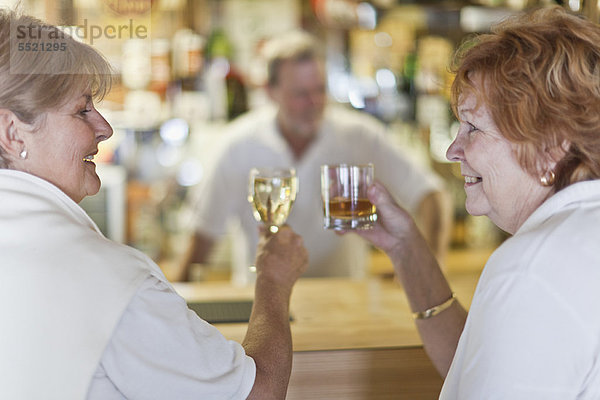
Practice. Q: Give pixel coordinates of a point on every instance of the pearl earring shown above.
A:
(23, 154)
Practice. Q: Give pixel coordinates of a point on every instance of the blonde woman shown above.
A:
(83, 317)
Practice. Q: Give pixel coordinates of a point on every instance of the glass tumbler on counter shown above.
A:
(272, 192)
(344, 194)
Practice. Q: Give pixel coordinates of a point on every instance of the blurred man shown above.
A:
(300, 130)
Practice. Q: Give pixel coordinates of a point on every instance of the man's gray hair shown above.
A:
(295, 46)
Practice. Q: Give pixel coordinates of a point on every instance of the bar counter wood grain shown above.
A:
(352, 339)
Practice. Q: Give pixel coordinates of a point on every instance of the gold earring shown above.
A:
(548, 178)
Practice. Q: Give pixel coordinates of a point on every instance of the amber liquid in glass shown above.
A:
(345, 208)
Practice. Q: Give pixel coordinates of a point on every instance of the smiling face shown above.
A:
(62, 150)
(495, 183)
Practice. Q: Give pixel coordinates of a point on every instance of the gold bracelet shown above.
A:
(435, 310)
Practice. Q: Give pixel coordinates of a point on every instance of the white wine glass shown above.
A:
(272, 192)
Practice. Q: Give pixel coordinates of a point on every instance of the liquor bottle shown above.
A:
(219, 52)
(408, 84)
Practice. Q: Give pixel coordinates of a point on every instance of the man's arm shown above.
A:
(434, 219)
(198, 251)
(281, 259)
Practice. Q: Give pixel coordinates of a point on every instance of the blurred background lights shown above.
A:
(190, 173)
(383, 39)
(360, 90)
(174, 131)
(356, 99)
(574, 5)
(367, 15)
(385, 79)
(338, 84)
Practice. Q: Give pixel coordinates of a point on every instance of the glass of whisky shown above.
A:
(344, 194)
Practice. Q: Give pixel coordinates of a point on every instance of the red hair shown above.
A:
(540, 72)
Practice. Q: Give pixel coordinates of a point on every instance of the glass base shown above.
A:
(349, 223)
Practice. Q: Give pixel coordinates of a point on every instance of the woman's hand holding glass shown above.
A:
(281, 257)
(395, 232)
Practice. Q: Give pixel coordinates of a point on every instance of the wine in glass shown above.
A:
(272, 192)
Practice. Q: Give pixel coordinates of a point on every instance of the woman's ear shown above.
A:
(559, 152)
(10, 140)
(554, 154)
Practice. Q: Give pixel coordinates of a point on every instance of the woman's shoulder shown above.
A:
(558, 258)
(127, 257)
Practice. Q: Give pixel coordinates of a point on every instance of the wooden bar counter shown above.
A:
(352, 339)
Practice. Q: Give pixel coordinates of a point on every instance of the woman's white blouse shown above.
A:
(533, 330)
(83, 316)
(162, 350)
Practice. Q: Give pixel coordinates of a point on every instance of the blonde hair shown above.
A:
(540, 72)
(42, 67)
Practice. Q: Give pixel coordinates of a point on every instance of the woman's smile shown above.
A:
(471, 180)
